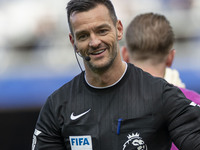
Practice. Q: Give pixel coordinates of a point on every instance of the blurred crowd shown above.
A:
(34, 34)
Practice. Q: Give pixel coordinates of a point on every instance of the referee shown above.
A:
(112, 105)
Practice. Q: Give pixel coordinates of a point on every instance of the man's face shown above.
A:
(96, 36)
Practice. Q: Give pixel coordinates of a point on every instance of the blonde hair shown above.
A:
(149, 35)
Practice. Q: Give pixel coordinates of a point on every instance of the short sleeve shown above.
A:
(183, 118)
(47, 135)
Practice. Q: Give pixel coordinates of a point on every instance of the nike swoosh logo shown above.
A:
(73, 117)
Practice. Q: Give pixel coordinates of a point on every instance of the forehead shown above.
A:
(95, 16)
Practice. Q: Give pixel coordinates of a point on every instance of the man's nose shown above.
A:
(94, 41)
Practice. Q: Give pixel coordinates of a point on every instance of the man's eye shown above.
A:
(82, 37)
(103, 32)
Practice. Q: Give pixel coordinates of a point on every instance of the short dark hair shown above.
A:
(149, 35)
(86, 5)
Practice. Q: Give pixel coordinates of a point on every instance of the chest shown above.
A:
(111, 119)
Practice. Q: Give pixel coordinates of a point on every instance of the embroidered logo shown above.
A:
(81, 142)
(134, 142)
(73, 117)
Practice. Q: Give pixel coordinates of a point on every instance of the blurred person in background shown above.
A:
(112, 105)
(150, 39)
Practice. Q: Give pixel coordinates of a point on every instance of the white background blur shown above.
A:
(34, 34)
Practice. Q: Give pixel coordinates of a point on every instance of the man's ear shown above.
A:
(119, 30)
(125, 55)
(71, 38)
(72, 41)
(170, 58)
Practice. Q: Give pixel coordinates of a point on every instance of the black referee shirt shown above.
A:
(139, 112)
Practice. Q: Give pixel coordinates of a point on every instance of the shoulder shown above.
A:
(62, 94)
(74, 83)
(145, 77)
(149, 84)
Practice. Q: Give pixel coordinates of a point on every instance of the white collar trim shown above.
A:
(108, 85)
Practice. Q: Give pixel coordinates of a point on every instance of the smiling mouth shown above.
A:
(98, 52)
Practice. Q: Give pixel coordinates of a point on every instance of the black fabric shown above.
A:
(152, 112)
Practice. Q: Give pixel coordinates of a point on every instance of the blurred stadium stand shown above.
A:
(36, 57)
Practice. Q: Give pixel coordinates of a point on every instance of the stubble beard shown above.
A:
(104, 68)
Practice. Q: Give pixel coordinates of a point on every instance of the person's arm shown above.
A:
(183, 119)
(47, 134)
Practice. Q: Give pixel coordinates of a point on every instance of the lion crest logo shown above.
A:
(134, 142)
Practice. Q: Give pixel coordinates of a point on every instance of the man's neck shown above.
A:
(107, 78)
(157, 70)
